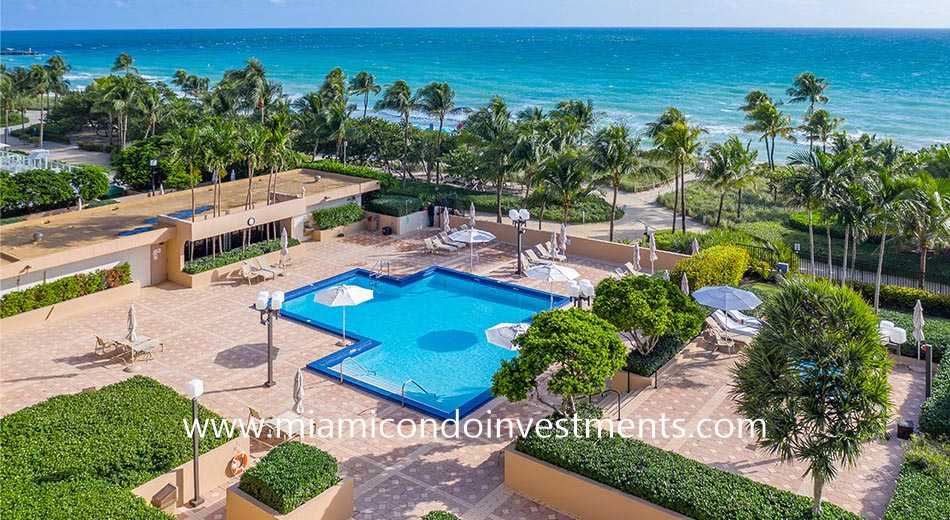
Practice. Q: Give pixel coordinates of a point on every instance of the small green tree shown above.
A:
(716, 265)
(647, 308)
(817, 376)
(90, 182)
(582, 349)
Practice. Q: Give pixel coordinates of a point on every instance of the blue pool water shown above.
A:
(428, 327)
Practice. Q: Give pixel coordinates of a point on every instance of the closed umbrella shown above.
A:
(471, 215)
(666, 274)
(553, 246)
(564, 240)
(504, 334)
(132, 336)
(726, 298)
(284, 252)
(446, 225)
(695, 246)
(684, 285)
(918, 326)
(298, 392)
(551, 273)
(472, 236)
(636, 256)
(653, 256)
(343, 296)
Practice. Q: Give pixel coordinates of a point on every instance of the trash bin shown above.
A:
(166, 499)
(387, 230)
(372, 223)
(905, 427)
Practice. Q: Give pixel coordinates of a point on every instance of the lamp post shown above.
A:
(196, 387)
(269, 307)
(519, 217)
(154, 164)
(344, 151)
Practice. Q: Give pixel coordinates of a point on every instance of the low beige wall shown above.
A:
(324, 235)
(575, 494)
(407, 224)
(69, 308)
(335, 503)
(214, 469)
(228, 272)
(624, 382)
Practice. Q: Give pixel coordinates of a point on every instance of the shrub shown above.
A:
(904, 298)
(665, 350)
(63, 289)
(393, 205)
(717, 265)
(339, 216)
(923, 488)
(386, 181)
(935, 411)
(10, 220)
(936, 332)
(97, 147)
(206, 263)
(78, 455)
(290, 475)
(670, 480)
(683, 242)
(440, 515)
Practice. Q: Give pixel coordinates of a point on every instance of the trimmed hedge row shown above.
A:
(339, 216)
(64, 289)
(904, 298)
(206, 263)
(664, 351)
(717, 265)
(393, 205)
(78, 455)
(290, 475)
(921, 492)
(935, 411)
(670, 480)
(386, 180)
(440, 515)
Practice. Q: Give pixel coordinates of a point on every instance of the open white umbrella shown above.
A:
(504, 334)
(284, 252)
(471, 215)
(918, 326)
(446, 225)
(472, 236)
(298, 392)
(653, 256)
(132, 336)
(684, 285)
(564, 240)
(695, 246)
(726, 298)
(551, 273)
(636, 256)
(343, 296)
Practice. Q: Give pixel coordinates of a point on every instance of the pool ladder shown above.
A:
(357, 363)
(378, 268)
(413, 381)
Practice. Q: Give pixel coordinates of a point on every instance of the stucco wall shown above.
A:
(138, 259)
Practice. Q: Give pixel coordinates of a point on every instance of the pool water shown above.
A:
(428, 327)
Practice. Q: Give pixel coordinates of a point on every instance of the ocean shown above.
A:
(892, 83)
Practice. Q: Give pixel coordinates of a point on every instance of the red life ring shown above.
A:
(239, 463)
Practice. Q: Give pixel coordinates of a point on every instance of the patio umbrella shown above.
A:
(472, 236)
(553, 246)
(666, 274)
(564, 240)
(551, 273)
(636, 256)
(283, 243)
(918, 326)
(726, 298)
(233, 175)
(653, 256)
(684, 285)
(446, 225)
(298, 392)
(471, 215)
(343, 296)
(695, 246)
(504, 334)
(132, 336)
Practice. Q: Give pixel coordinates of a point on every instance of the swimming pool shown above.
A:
(428, 327)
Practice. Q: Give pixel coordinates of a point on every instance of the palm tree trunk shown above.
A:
(683, 195)
(438, 152)
(42, 124)
(405, 155)
(844, 257)
(830, 268)
(738, 206)
(250, 184)
(613, 210)
(676, 197)
(6, 124)
(880, 264)
(365, 103)
(854, 254)
(499, 183)
(722, 198)
(565, 204)
(811, 243)
(923, 264)
(816, 496)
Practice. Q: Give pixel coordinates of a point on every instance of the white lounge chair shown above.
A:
(439, 243)
(549, 255)
(749, 321)
(574, 291)
(438, 247)
(733, 328)
(251, 273)
(444, 237)
(267, 267)
(534, 257)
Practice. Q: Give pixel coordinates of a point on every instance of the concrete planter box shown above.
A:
(232, 272)
(575, 494)
(324, 235)
(624, 381)
(214, 469)
(72, 307)
(407, 224)
(335, 503)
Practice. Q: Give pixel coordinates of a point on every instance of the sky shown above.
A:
(180, 14)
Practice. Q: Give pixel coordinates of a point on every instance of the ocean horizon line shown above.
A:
(512, 27)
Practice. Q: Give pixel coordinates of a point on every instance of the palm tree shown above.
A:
(221, 138)
(152, 106)
(437, 100)
(533, 132)
(718, 175)
(398, 98)
(807, 88)
(928, 217)
(820, 126)
(191, 84)
(679, 143)
(667, 118)
(40, 83)
(121, 95)
(57, 68)
(770, 122)
(742, 162)
(573, 119)
(124, 62)
(828, 175)
(252, 147)
(753, 99)
(493, 135)
(279, 153)
(816, 375)
(567, 177)
(337, 121)
(311, 118)
(798, 191)
(186, 149)
(614, 155)
(250, 84)
(364, 84)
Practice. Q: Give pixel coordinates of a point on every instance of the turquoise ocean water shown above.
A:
(894, 83)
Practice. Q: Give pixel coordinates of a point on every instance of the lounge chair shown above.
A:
(444, 237)
(533, 257)
(630, 267)
(267, 267)
(749, 321)
(250, 273)
(438, 243)
(267, 422)
(734, 329)
(715, 337)
(549, 255)
(286, 262)
(438, 247)
(463, 227)
(104, 347)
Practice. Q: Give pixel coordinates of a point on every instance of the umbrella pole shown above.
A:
(551, 292)
(342, 342)
(471, 258)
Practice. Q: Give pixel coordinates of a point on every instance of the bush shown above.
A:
(440, 515)
(904, 298)
(799, 221)
(339, 216)
(386, 181)
(11, 220)
(670, 480)
(393, 205)
(78, 455)
(63, 289)
(717, 265)
(935, 412)
(206, 263)
(39, 190)
(290, 475)
(134, 170)
(664, 351)
(97, 147)
(680, 242)
(923, 485)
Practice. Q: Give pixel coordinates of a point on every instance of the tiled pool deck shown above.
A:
(212, 334)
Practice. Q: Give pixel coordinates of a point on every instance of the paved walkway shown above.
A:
(67, 153)
(210, 333)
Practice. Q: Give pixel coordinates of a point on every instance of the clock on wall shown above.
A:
(251, 221)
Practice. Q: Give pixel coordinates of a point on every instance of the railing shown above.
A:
(355, 362)
(15, 163)
(378, 269)
(864, 274)
(413, 381)
(590, 399)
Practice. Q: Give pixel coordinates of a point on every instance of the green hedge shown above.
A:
(923, 485)
(339, 216)
(79, 455)
(936, 332)
(63, 289)
(904, 298)
(440, 515)
(717, 265)
(11, 220)
(664, 351)
(52, 133)
(393, 205)
(670, 480)
(290, 475)
(935, 412)
(97, 147)
(386, 180)
(206, 263)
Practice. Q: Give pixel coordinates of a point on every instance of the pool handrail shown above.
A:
(350, 358)
(413, 381)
